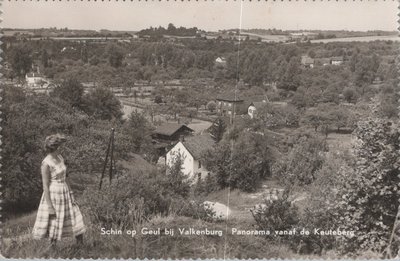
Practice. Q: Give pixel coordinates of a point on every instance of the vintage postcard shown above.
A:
(200, 129)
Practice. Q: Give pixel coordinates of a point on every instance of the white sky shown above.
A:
(359, 15)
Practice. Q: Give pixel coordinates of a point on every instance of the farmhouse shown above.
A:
(191, 150)
(337, 60)
(228, 103)
(220, 61)
(167, 135)
(171, 131)
(34, 80)
(254, 107)
(323, 61)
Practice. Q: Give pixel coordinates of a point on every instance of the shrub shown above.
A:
(350, 94)
(276, 215)
(193, 209)
(130, 199)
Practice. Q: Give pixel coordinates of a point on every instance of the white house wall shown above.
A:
(190, 166)
(188, 161)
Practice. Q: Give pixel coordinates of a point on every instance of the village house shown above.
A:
(337, 60)
(191, 150)
(167, 134)
(323, 61)
(254, 107)
(171, 131)
(221, 61)
(34, 80)
(307, 61)
(228, 103)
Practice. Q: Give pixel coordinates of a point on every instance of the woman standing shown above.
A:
(58, 215)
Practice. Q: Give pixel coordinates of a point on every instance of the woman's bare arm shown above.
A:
(46, 183)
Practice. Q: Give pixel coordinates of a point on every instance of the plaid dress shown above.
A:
(68, 221)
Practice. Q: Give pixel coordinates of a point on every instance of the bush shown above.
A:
(130, 199)
(276, 215)
(350, 94)
(193, 209)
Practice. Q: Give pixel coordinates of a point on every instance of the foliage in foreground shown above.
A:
(369, 200)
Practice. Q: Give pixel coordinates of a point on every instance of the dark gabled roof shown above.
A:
(168, 129)
(229, 97)
(258, 105)
(198, 144)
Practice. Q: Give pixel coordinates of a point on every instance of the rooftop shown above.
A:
(229, 97)
(168, 129)
(198, 144)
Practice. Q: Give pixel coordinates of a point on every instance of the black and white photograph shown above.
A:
(232, 129)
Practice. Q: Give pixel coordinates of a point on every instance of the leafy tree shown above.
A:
(102, 104)
(299, 167)
(350, 94)
(290, 79)
(139, 130)
(366, 69)
(71, 91)
(242, 165)
(369, 198)
(211, 106)
(177, 181)
(115, 56)
(45, 58)
(320, 117)
(21, 60)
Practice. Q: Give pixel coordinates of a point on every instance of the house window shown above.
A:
(199, 164)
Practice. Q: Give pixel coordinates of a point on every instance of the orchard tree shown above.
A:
(300, 166)
(242, 165)
(139, 129)
(211, 106)
(350, 94)
(115, 55)
(102, 104)
(71, 91)
(21, 60)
